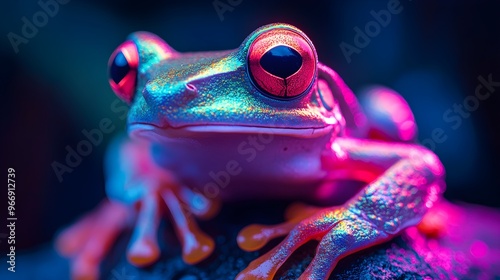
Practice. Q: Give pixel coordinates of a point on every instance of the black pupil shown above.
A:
(119, 68)
(281, 61)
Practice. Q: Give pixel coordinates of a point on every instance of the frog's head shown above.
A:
(272, 83)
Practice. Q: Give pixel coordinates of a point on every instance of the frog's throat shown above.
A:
(148, 130)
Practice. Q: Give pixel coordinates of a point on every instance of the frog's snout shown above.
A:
(178, 94)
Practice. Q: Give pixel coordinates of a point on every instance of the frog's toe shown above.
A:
(255, 236)
(144, 249)
(312, 228)
(346, 237)
(299, 211)
(72, 239)
(94, 236)
(196, 245)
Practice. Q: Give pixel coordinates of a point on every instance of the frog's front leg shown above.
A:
(138, 192)
(404, 181)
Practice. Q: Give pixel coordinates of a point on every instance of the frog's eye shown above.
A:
(123, 70)
(282, 63)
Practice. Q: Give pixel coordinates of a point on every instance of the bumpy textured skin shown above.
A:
(195, 114)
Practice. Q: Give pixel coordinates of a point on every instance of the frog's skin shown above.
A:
(264, 126)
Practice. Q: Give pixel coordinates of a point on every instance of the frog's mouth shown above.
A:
(152, 131)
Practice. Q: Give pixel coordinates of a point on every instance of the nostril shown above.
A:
(191, 88)
(174, 94)
(190, 92)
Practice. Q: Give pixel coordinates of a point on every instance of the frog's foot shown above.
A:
(339, 231)
(254, 237)
(196, 245)
(183, 205)
(88, 240)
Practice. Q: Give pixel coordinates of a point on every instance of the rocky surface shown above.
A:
(470, 249)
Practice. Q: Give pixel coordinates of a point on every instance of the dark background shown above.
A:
(56, 85)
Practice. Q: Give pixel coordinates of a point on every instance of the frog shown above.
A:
(266, 120)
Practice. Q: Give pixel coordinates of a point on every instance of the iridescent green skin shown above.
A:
(202, 131)
(225, 93)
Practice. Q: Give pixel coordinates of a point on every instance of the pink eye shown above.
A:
(282, 63)
(123, 70)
